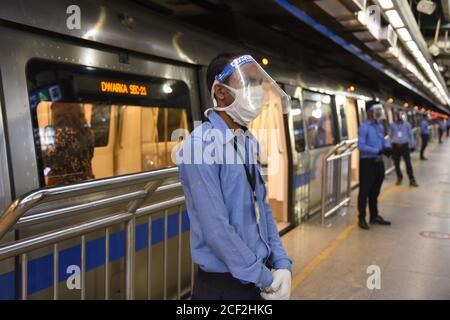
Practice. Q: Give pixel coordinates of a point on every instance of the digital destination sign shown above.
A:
(123, 88)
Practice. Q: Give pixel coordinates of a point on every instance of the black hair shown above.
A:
(217, 65)
(371, 103)
(425, 115)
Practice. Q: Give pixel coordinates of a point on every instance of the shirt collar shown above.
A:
(227, 134)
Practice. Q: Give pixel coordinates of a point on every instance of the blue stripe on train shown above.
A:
(40, 270)
(302, 179)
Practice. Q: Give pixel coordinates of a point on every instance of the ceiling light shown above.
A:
(395, 19)
(404, 34)
(412, 46)
(436, 67)
(426, 6)
(434, 49)
(386, 4)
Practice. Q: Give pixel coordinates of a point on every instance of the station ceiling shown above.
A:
(265, 24)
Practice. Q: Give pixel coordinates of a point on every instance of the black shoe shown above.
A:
(381, 221)
(423, 158)
(363, 224)
(399, 181)
(413, 183)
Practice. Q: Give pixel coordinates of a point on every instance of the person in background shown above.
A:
(441, 127)
(448, 127)
(70, 160)
(425, 135)
(234, 238)
(402, 140)
(372, 147)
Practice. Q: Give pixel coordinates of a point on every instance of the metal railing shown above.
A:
(136, 203)
(336, 178)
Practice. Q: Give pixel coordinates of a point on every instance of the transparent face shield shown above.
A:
(251, 88)
(378, 112)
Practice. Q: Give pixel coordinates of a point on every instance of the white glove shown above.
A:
(280, 289)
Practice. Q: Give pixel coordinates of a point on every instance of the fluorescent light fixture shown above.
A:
(404, 34)
(167, 89)
(436, 67)
(386, 4)
(394, 19)
(412, 46)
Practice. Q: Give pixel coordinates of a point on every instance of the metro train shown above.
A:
(132, 85)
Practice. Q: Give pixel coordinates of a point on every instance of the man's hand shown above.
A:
(280, 289)
(386, 151)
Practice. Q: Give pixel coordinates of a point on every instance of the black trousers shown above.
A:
(371, 176)
(222, 286)
(440, 132)
(425, 138)
(399, 151)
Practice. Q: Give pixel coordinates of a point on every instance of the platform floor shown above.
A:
(331, 262)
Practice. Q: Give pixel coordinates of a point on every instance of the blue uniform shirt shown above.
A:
(441, 124)
(225, 236)
(371, 140)
(401, 133)
(424, 127)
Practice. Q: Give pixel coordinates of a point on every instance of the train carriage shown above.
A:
(134, 88)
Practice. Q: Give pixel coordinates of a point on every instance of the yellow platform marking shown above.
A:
(344, 234)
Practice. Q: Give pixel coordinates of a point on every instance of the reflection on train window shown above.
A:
(100, 120)
(342, 121)
(385, 122)
(299, 127)
(319, 119)
(89, 133)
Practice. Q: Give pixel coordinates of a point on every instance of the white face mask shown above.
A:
(247, 103)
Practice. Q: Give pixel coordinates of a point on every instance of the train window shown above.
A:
(385, 122)
(100, 121)
(319, 119)
(92, 123)
(362, 116)
(299, 127)
(340, 108)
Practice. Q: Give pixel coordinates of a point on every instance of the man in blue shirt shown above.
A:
(402, 140)
(372, 147)
(425, 135)
(441, 128)
(234, 238)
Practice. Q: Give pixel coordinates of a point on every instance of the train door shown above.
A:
(66, 86)
(362, 116)
(302, 173)
(351, 111)
(320, 136)
(5, 192)
(270, 131)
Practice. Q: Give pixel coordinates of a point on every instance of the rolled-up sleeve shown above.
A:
(278, 257)
(202, 183)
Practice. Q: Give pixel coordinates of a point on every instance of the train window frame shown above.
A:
(302, 121)
(129, 79)
(333, 120)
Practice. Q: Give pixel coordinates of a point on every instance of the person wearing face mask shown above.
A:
(403, 143)
(372, 147)
(234, 239)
